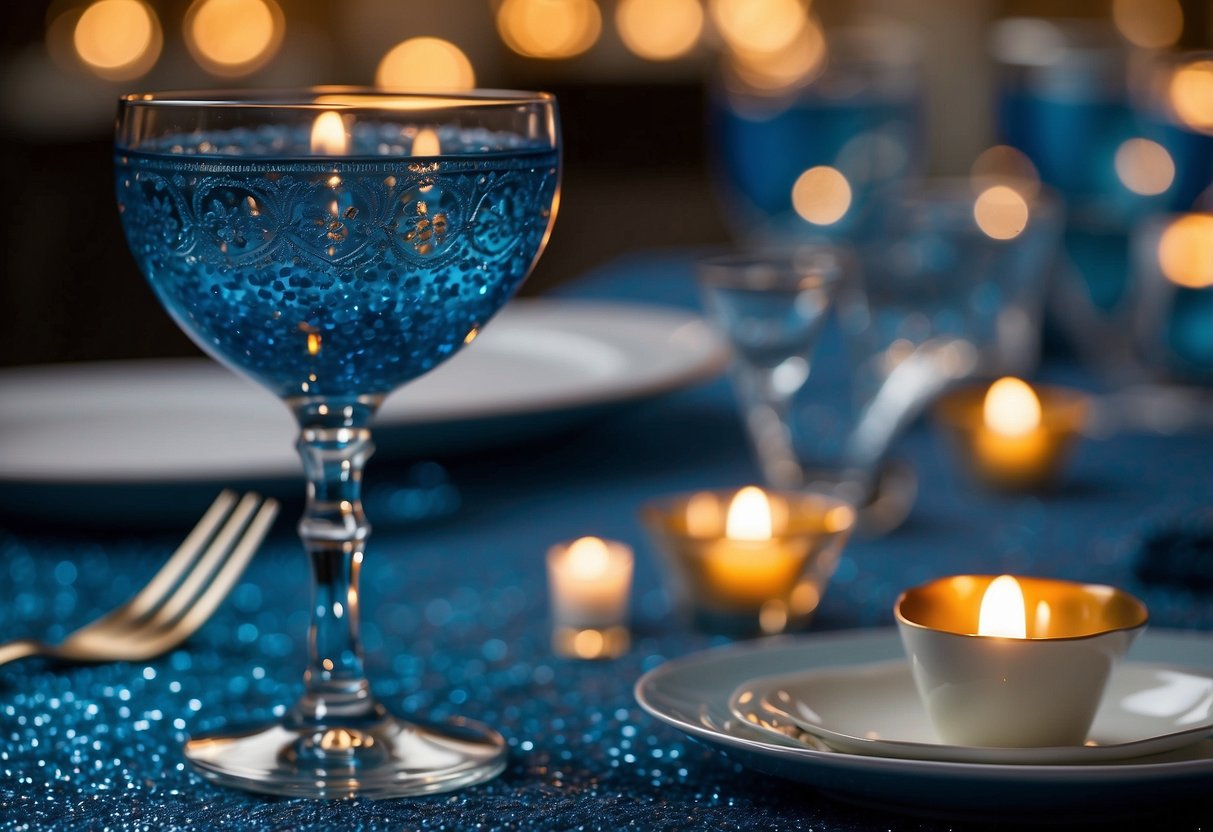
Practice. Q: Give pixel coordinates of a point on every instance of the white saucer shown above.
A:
(691, 694)
(875, 709)
(537, 364)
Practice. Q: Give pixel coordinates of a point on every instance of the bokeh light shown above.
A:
(1005, 165)
(764, 26)
(549, 29)
(1001, 212)
(118, 39)
(1191, 94)
(659, 30)
(234, 37)
(794, 64)
(1151, 24)
(1185, 251)
(1144, 167)
(821, 195)
(425, 64)
(426, 143)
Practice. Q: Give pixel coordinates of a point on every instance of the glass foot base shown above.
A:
(388, 757)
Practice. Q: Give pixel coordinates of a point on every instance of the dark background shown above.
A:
(637, 164)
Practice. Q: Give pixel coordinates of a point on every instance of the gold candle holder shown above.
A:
(1013, 437)
(750, 561)
(1011, 661)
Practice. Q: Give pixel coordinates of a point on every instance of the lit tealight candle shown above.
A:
(1012, 661)
(750, 561)
(588, 582)
(1014, 437)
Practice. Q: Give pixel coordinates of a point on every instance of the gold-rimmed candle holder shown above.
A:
(749, 561)
(1015, 661)
(1013, 443)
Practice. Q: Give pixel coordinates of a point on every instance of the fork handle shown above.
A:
(19, 649)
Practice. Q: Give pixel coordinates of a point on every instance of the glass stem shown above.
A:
(767, 414)
(335, 443)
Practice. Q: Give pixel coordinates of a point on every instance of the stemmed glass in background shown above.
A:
(772, 310)
(1123, 135)
(333, 244)
(807, 137)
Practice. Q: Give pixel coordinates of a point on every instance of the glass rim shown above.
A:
(824, 261)
(336, 97)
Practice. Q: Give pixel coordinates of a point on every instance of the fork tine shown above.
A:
(205, 566)
(213, 593)
(163, 581)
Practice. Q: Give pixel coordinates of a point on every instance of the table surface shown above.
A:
(457, 623)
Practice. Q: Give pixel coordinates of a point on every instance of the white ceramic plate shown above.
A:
(692, 694)
(539, 362)
(875, 709)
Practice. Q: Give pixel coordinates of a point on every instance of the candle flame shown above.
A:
(328, 135)
(1011, 408)
(1002, 610)
(749, 516)
(588, 558)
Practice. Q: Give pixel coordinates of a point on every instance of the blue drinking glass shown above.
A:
(772, 312)
(1171, 100)
(963, 259)
(333, 244)
(1173, 297)
(805, 159)
(1116, 159)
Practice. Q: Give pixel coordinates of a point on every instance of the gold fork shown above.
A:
(178, 599)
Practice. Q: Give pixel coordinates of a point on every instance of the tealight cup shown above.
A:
(589, 580)
(1014, 662)
(749, 561)
(1012, 437)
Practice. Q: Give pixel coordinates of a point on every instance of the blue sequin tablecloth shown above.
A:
(457, 623)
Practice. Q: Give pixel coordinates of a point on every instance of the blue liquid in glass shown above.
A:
(1188, 335)
(334, 277)
(763, 146)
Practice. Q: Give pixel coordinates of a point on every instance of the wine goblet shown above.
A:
(333, 244)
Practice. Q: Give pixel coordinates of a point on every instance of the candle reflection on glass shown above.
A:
(589, 581)
(1012, 436)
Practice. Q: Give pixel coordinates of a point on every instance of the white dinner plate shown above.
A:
(692, 694)
(875, 709)
(539, 364)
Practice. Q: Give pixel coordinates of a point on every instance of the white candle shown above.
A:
(589, 580)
